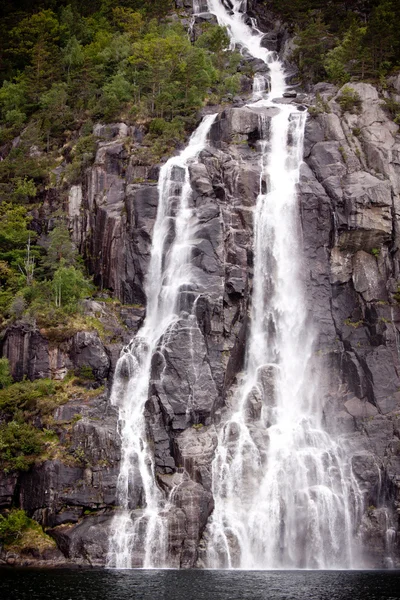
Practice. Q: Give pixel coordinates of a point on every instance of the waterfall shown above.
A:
(144, 530)
(284, 493)
(199, 6)
(259, 87)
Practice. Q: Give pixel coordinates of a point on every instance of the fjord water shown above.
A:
(284, 494)
(169, 273)
(198, 585)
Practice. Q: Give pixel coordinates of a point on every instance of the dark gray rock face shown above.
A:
(31, 354)
(59, 493)
(8, 485)
(52, 353)
(86, 543)
(112, 216)
(181, 372)
(348, 204)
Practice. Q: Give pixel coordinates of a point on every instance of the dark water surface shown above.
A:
(20, 584)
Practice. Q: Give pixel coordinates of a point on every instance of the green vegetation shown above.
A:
(20, 444)
(109, 61)
(86, 373)
(349, 100)
(22, 405)
(343, 40)
(28, 399)
(18, 531)
(27, 433)
(343, 153)
(64, 66)
(44, 284)
(13, 526)
(393, 108)
(5, 375)
(354, 324)
(396, 295)
(198, 426)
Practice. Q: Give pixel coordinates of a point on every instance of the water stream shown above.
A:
(169, 273)
(284, 494)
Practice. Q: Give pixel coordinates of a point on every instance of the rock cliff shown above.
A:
(349, 207)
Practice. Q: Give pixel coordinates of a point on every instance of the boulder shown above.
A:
(366, 277)
(182, 377)
(197, 504)
(87, 542)
(243, 121)
(88, 351)
(194, 451)
(270, 41)
(8, 483)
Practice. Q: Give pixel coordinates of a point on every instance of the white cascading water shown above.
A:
(284, 495)
(259, 87)
(145, 532)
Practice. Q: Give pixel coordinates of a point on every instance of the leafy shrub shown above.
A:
(18, 531)
(393, 108)
(20, 443)
(86, 373)
(13, 525)
(15, 118)
(349, 100)
(25, 396)
(158, 126)
(83, 155)
(5, 375)
(24, 189)
(22, 406)
(321, 106)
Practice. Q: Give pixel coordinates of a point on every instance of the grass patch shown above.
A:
(354, 324)
(27, 434)
(65, 330)
(19, 533)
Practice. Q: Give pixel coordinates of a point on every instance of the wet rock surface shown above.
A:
(348, 207)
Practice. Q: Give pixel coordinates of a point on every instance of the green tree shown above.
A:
(13, 97)
(41, 28)
(312, 45)
(35, 43)
(215, 39)
(382, 36)
(24, 190)
(172, 74)
(349, 100)
(14, 233)
(56, 114)
(60, 249)
(129, 21)
(72, 55)
(116, 92)
(69, 286)
(352, 57)
(5, 375)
